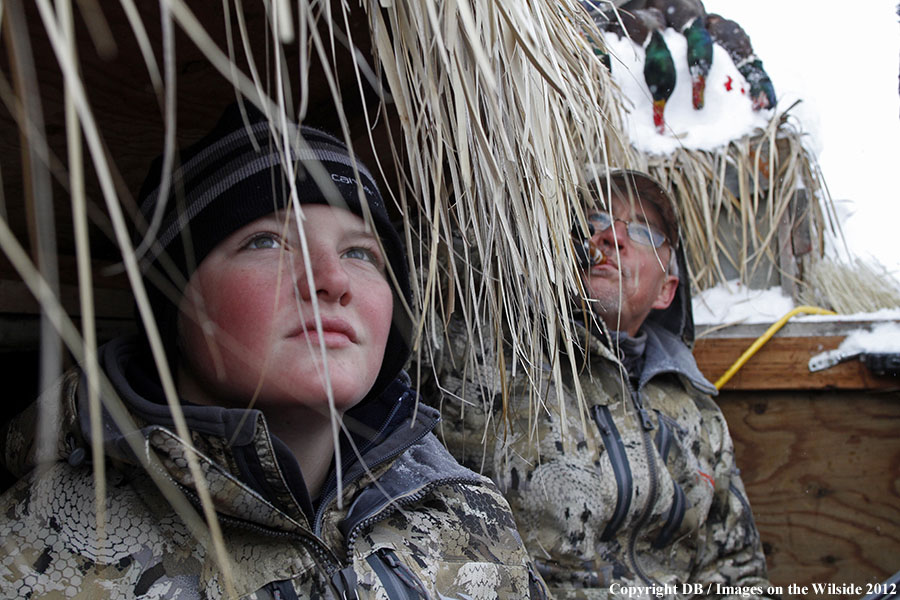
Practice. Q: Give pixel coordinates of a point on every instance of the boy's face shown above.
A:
(633, 280)
(248, 326)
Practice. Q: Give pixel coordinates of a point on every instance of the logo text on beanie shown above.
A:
(351, 181)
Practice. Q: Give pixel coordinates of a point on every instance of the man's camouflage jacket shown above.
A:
(632, 491)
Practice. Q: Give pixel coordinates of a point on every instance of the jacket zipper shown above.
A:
(338, 574)
(646, 427)
(612, 441)
(679, 500)
(320, 513)
(663, 438)
(399, 582)
(673, 519)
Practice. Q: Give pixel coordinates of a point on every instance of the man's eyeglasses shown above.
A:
(638, 231)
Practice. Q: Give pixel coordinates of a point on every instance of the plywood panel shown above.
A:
(822, 471)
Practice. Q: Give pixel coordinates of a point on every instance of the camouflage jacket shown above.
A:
(633, 493)
(412, 524)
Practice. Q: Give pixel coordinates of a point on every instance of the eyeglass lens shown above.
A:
(639, 232)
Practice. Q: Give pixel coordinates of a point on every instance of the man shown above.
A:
(636, 486)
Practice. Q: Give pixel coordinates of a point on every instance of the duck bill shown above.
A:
(760, 101)
(659, 106)
(698, 87)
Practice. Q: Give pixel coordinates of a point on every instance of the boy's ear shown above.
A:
(666, 293)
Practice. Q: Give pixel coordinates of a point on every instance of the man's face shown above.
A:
(248, 326)
(634, 278)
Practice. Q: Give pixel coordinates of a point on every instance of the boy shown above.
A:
(272, 333)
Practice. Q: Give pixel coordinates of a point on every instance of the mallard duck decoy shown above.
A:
(688, 17)
(699, 56)
(598, 13)
(659, 73)
(636, 19)
(731, 36)
(643, 26)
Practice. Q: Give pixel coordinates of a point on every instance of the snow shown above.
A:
(727, 113)
(734, 303)
(883, 338)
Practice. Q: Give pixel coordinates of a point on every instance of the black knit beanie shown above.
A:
(235, 175)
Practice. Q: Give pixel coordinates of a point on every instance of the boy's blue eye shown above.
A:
(365, 254)
(264, 241)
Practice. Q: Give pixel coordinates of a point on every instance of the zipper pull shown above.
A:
(601, 422)
(536, 586)
(645, 419)
(402, 571)
(344, 582)
(646, 423)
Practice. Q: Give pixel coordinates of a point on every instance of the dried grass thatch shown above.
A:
(750, 211)
(499, 104)
(850, 287)
(758, 211)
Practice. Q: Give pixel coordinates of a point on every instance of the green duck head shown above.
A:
(699, 57)
(659, 73)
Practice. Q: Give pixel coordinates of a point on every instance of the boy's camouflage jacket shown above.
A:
(637, 489)
(413, 525)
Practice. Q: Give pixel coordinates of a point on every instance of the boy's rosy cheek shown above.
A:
(244, 304)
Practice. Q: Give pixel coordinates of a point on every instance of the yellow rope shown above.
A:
(755, 346)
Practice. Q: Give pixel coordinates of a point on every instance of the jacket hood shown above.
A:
(133, 375)
(667, 353)
(238, 455)
(130, 371)
(678, 318)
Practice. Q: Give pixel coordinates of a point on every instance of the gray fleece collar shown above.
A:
(115, 356)
(666, 353)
